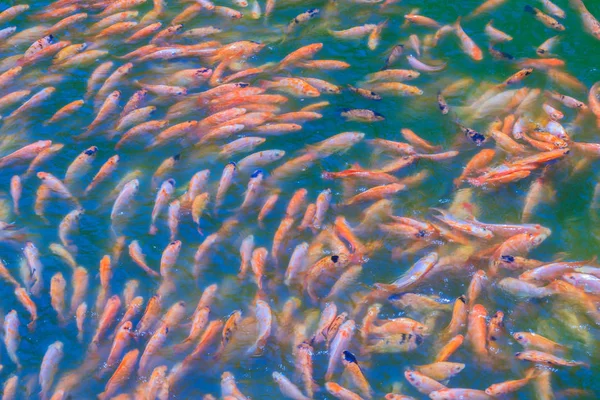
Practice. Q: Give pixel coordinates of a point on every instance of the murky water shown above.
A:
(574, 227)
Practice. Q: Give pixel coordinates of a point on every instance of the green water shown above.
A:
(574, 229)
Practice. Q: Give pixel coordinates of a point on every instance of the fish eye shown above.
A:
(335, 258)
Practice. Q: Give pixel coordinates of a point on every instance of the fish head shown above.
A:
(176, 245)
(458, 367)
(537, 239)
(277, 377)
(519, 337)
(91, 151)
(203, 73)
(410, 376)
(278, 154)
(313, 12)
(349, 357)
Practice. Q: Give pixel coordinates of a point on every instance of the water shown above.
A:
(574, 229)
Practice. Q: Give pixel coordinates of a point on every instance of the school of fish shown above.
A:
(307, 291)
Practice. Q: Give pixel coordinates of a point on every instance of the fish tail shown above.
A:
(529, 9)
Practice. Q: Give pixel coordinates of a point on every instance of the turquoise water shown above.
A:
(574, 226)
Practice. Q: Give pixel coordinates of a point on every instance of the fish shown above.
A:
(121, 375)
(264, 321)
(287, 388)
(362, 115)
(229, 173)
(108, 107)
(422, 382)
(338, 345)
(124, 197)
(441, 371)
(540, 357)
(545, 19)
(12, 338)
(57, 295)
(422, 20)
(544, 49)
(229, 330)
(495, 34)
(413, 275)
(299, 19)
(506, 387)
(356, 375)
(463, 226)
(590, 23)
(49, 367)
(467, 44)
(534, 341)
(25, 153)
(486, 7)
(340, 392)
(163, 197)
(448, 394)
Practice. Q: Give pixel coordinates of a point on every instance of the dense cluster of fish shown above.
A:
(312, 303)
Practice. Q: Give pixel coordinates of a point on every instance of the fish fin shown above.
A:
(385, 287)
(439, 210)
(456, 24)
(266, 84)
